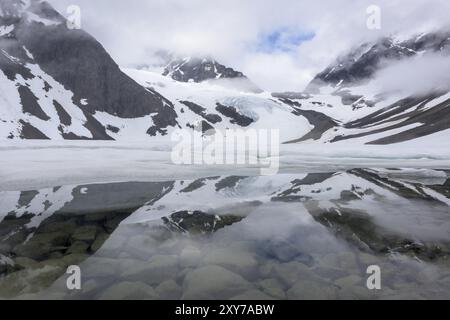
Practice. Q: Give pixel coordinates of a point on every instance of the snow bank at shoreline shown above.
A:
(37, 164)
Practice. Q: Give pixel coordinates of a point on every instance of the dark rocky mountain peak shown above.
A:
(362, 62)
(200, 69)
(193, 69)
(33, 33)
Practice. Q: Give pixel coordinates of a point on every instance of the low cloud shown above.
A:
(417, 75)
(240, 33)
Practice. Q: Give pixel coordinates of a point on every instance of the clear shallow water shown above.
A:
(289, 236)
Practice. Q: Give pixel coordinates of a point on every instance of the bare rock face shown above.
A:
(427, 110)
(33, 33)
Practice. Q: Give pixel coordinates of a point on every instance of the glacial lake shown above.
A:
(287, 236)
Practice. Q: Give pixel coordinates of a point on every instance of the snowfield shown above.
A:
(265, 111)
(39, 164)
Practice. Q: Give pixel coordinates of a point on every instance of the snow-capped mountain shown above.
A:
(58, 83)
(362, 63)
(192, 69)
(195, 69)
(348, 92)
(345, 117)
(219, 108)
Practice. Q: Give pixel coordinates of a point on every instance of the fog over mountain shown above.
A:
(416, 74)
(281, 45)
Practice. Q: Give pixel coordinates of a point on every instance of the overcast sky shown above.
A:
(279, 44)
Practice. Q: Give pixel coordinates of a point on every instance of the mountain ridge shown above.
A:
(361, 63)
(75, 60)
(59, 84)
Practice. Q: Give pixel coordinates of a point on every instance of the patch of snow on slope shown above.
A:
(128, 129)
(47, 91)
(32, 17)
(267, 113)
(6, 30)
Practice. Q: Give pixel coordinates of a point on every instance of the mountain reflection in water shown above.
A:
(302, 236)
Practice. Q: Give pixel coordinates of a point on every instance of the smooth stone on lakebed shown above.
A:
(99, 267)
(155, 271)
(86, 233)
(348, 261)
(139, 246)
(46, 276)
(190, 257)
(128, 291)
(252, 295)
(404, 296)
(273, 288)
(99, 241)
(5, 247)
(236, 261)
(213, 282)
(289, 273)
(350, 281)
(285, 251)
(330, 273)
(330, 260)
(445, 280)
(41, 245)
(29, 281)
(168, 290)
(355, 293)
(311, 290)
(52, 296)
(25, 263)
(368, 259)
(75, 258)
(88, 289)
(12, 284)
(78, 247)
(116, 243)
